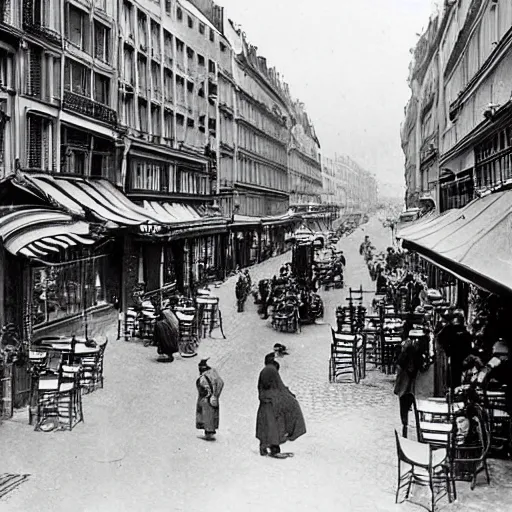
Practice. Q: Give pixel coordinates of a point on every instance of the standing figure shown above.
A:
(209, 387)
(409, 364)
(165, 337)
(240, 290)
(279, 417)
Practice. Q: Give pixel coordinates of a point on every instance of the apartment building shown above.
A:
(458, 115)
(304, 161)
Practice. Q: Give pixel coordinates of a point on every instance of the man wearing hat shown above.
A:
(209, 388)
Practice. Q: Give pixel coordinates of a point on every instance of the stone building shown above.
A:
(455, 133)
(304, 160)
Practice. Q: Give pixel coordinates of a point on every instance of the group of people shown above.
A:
(279, 417)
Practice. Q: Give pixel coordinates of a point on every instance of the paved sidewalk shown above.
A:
(138, 449)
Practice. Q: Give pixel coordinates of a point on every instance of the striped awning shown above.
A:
(97, 197)
(177, 214)
(35, 231)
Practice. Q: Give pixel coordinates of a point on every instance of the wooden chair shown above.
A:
(425, 465)
(347, 357)
(470, 459)
(435, 420)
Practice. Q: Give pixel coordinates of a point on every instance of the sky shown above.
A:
(348, 61)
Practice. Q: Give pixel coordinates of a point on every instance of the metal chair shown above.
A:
(424, 465)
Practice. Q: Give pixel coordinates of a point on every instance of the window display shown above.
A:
(67, 289)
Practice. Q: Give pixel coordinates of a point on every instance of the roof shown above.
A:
(192, 9)
(35, 231)
(474, 242)
(92, 197)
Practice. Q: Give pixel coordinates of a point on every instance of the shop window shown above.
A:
(148, 176)
(75, 151)
(68, 289)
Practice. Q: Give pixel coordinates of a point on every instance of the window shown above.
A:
(40, 146)
(101, 42)
(168, 50)
(180, 54)
(201, 28)
(58, 291)
(128, 110)
(180, 90)
(222, 47)
(212, 35)
(143, 75)
(200, 60)
(35, 71)
(6, 69)
(156, 128)
(128, 65)
(211, 66)
(77, 26)
(168, 85)
(77, 78)
(180, 124)
(179, 14)
(168, 131)
(100, 4)
(142, 22)
(128, 27)
(155, 39)
(102, 89)
(41, 13)
(147, 175)
(190, 22)
(168, 7)
(143, 116)
(156, 86)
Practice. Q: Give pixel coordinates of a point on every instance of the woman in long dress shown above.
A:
(279, 417)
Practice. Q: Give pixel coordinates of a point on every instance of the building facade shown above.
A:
(462, 65)
(348, 186)
(304, 160)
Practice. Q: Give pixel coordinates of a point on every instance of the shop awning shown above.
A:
(97, 197)
(178, 213)
(279, 220)
(474, 242)
(34, 231)
(245, 221)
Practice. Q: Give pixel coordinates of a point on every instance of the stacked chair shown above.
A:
(347, 357)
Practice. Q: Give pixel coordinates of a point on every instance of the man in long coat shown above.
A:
(279, 417)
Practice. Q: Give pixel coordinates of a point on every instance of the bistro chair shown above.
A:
(390, 348)
(188, 333)
(470, 458)
(91, 377)
(209, 315)
(69, 397)
(500, 423)
(347, 357)
(424, 465)
(435, 420)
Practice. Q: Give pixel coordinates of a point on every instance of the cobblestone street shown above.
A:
(138, 449)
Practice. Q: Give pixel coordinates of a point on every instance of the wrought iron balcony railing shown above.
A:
(86, 106)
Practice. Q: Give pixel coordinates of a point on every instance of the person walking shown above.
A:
(209, 388)
(279, 418)
(409, 364)
(165, 338)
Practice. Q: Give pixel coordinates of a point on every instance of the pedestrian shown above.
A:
(409, 364)
(209, 388)
(240, 290)
(279, 417)
(165, 338)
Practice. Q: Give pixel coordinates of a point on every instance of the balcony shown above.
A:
(87, 107)
(35, 27)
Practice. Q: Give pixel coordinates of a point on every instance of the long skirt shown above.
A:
(207, 417)
(269, 430)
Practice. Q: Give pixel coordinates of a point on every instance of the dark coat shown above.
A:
(455, 340)
(279, 417)
(165, 338)
(409, 363)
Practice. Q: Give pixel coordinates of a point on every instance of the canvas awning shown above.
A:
(279, 220)
(96, 197)
(473, 242)
(34, 231)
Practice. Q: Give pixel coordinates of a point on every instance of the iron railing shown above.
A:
(86, 106)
